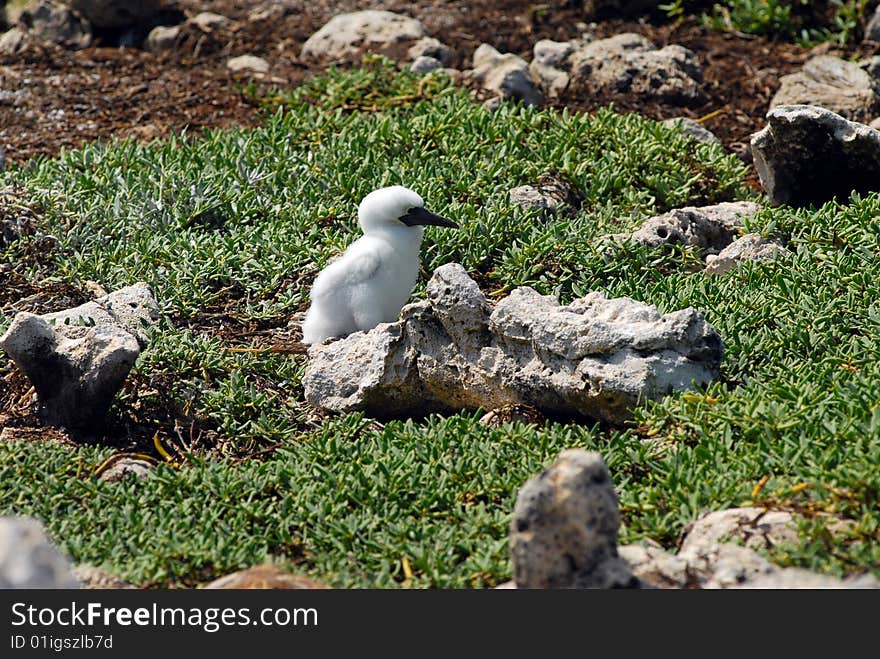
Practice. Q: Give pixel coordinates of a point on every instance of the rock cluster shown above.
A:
(564, 535)
(713, 230)
(595, 357)
(623, 64)
(75, 23)
(719, 551)
(709, 228)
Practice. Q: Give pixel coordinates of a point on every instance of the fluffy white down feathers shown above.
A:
(374, 278)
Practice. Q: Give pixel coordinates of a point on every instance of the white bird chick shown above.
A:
(373, 279)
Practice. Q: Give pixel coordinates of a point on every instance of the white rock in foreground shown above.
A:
(710, 557)
(595, 357)
(28, 559)
(564, 528)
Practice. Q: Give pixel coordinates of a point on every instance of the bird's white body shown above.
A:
(374, 278)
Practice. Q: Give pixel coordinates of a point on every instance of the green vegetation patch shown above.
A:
(231, 227)
(806, 22)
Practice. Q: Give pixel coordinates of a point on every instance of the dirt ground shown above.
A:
(52, 98)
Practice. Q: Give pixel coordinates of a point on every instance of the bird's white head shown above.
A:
(396, 206)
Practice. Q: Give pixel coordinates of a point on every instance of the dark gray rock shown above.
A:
(116, 13)
(564, 528)
(425, 64)
(808, 155)
(77, 359)
(431, 47)
(616, 8)
(52, 21)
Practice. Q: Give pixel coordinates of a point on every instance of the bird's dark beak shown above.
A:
(421, 216)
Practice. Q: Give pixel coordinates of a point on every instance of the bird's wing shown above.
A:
(359, 264)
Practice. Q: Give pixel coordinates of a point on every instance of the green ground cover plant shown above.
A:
(808, 22)
(230, 227)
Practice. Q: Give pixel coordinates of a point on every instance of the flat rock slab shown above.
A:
(809, 155)
(832, 83)
(594, 358)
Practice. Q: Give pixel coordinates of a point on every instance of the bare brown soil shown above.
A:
(52, 98)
